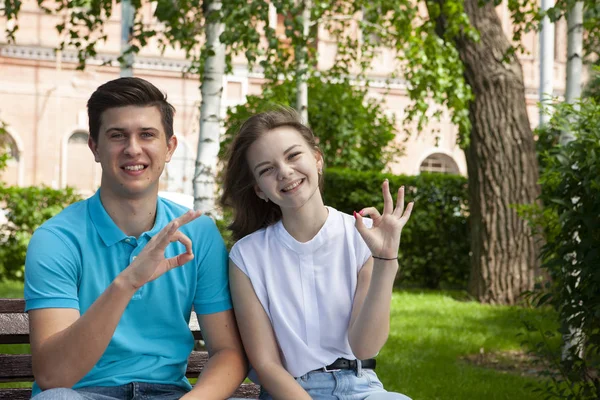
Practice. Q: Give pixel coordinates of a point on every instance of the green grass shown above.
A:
(430, 332)
(11, 290)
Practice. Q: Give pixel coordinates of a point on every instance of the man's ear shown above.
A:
(94, 148)
(171, 146)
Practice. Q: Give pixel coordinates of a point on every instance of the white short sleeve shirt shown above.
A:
(306, 289)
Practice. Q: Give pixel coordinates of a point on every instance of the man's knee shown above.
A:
(59, 394)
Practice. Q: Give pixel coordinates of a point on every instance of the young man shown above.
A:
(110, 282)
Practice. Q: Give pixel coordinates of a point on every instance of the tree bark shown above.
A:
(501, 163)
(301, 56)
(210, 110)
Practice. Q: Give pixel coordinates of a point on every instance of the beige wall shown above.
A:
(43, 100)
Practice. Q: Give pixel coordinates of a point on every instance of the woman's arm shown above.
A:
(370, 320)
(259, 339)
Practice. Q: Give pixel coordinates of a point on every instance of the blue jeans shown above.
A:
(343, 385)
(131, 391)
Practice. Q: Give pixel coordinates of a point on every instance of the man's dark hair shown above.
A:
(128, 92)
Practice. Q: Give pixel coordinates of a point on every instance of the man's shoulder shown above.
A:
(71, 218)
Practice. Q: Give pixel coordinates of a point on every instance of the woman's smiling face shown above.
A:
(285, 167)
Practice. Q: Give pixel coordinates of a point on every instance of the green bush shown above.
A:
(570, 223)
(435, 243)
(26, 208)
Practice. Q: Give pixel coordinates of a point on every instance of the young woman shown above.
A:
(311, 286)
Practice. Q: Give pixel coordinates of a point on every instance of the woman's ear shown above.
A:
(320, 162)
(260, 194)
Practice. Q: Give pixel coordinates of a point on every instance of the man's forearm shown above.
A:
(221, 376)
(64, 358)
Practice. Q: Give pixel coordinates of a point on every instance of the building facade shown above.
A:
(43, 100)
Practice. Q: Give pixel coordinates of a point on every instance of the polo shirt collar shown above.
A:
(160, 220)
(109, 232)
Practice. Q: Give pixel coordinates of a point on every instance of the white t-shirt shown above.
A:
(307, 289)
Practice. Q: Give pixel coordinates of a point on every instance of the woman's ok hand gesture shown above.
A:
(383, 239)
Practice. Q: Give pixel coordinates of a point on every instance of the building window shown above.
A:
(10, 175)
(80, 165)
(439, 162)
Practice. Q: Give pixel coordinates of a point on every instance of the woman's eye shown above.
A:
(263, 171)
(294, 155)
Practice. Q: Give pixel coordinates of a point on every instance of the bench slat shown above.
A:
(12, 306)
(14, 328)
(15, 368)
(15, 394)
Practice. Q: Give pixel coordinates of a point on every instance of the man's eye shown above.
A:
(147, 134)
(117, 135)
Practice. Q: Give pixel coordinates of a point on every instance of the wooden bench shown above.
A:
(14, 329)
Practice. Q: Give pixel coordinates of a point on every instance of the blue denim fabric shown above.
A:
(343, 385)
(131, 391)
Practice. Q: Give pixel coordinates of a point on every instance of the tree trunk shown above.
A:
(501, 163)
(210, 110)
(301, 55)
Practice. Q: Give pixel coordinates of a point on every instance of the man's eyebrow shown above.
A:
(116, 128)
(285, 152)
(119, 129)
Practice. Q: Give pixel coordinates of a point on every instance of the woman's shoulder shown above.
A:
(254, 239)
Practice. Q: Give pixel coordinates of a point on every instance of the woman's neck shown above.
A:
(304, 223)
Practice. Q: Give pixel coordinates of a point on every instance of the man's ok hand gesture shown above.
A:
(151, 262)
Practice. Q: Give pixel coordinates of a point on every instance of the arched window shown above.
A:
(179, 172)
(10, 175)
(80, 165)
(439, 162)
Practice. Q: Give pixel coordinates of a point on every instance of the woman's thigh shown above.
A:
(343, 385)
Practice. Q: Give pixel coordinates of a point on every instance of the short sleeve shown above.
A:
(236, 256)
(51, 272)
(212, 286)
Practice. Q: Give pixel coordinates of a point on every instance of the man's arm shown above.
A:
(227, 365)
(65, 346)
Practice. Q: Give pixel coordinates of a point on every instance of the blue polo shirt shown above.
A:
(73, 257)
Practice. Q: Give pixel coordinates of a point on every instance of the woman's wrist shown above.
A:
(385, 258)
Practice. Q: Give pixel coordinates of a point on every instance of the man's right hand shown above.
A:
(151, 262)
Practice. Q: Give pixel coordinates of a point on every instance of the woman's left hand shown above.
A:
(383, 239)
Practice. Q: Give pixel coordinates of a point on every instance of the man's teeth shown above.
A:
(134, 167)
(293, 185)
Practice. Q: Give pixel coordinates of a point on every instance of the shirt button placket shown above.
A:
(138, 294)
(311, 309)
